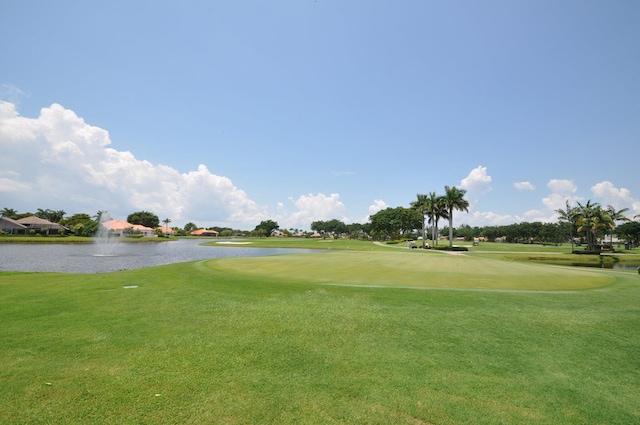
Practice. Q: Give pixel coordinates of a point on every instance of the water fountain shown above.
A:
(105, 239)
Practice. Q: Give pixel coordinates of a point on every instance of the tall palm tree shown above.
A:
(594, 221)
(569, 215)
(8, 212)
(422, 205)
(454, 200)
(55, 216)
(585, 216)
(166, 222)
(616, 215)
(437, 210)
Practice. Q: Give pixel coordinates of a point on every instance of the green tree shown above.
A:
(395, 222)
(332, 227)
(594, 221)
(166, 222)
(630, 232)
(569, 215)
(102, 216)
(268, 226)
(8, 213)
(437, 210)
(80, 224)
(50, 215)
(454, 200)
(422, 205)
(616, 216)
(144, 218)
(190, 227)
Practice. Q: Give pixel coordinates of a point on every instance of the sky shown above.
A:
(228, 113)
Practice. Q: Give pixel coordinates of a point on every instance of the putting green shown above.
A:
(416, 269)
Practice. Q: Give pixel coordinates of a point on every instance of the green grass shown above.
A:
(275, 340)
(422, 269)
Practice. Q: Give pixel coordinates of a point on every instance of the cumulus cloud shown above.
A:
(59, 161)
(611, 195)
(310, 208)
(618, 198)
(478, 218)
(524, 186)
(477, 181)
(562, 190)
(378, 205)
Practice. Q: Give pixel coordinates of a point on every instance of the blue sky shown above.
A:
(229, 113)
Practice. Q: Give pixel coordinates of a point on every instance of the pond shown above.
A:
(113, 256)
(613, 266)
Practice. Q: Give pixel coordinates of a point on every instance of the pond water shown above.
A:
(608, 266)
(100, 258)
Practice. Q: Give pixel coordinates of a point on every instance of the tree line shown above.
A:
(587, 223)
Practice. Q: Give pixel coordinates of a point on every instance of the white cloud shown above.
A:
(477, 181)
(562, 190)
(11, 93)
(523, 186)
(539, 215)
(610, 195)
(312, 208)
(378, 205)
(343, 173)
(488, 218)
(59, 161)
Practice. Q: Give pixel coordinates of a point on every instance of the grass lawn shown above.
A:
(347, 337)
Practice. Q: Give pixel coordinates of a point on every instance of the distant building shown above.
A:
(167, 230)
(119, 228)
(38, 225)
(205, 232)
(8, 225)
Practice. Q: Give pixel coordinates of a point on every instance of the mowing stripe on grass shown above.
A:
(398, 269)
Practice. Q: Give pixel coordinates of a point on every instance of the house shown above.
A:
(119, 227)
(39, 225)
(167, 230)
(205, 232)
(8, 225)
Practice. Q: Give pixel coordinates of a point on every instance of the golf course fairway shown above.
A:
(417, 269)
(335, 337)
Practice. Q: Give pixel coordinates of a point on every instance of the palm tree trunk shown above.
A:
(451, 229)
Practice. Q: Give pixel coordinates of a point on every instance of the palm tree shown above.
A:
(585, 216)
(615, 217)
(454, 200)
(570, 216)
(56, 216)
(594, 221)
(166, 222)
(422, 205)
(437, 210)
(8, 212)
